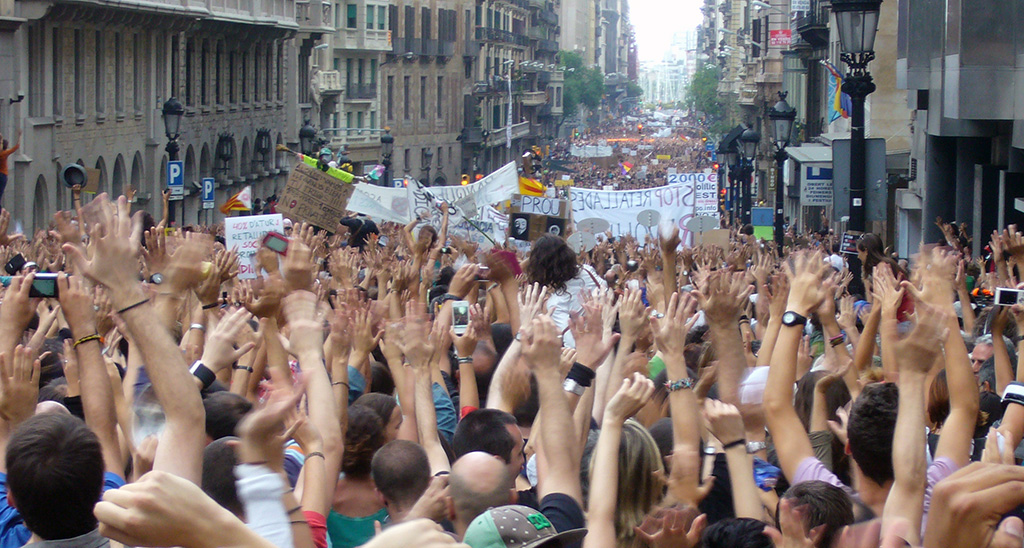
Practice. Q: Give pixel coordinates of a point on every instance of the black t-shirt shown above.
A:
(564, 513)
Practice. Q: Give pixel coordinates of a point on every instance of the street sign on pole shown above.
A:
(176, 179)
(208, 192)
(709, 146)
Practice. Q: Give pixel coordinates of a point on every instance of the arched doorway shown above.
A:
(118, 178)
(40, 204)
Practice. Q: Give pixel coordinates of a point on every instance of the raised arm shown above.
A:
(632, 394)
(805, 294)
(116, 246)
(725, 299)
(915, 355)
(419, 345)
(541, 352)
(96, 390)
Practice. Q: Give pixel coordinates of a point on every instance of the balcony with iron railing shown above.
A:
(813, 26)
(445, 49)
(543, 78)
(498, 136)
(547, 46)
(360, 92)
(537, 33)
(548, 17)
(497, 35)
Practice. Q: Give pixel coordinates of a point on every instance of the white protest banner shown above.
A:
(621, 208)
(496, 187)
(705, 186)
(244, 235)
(381, 203)
(590, 151)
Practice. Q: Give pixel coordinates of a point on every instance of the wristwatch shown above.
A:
(569, 385)
(755, 446)
(790, 318)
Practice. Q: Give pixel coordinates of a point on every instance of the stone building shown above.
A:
(423, 81)
(95, 77)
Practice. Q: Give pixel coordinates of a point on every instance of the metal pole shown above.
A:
(172, 155)
(747, 183)
(780, 163)
(858, 85)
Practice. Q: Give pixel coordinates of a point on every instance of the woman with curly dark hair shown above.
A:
(356, 504)
(553, 265)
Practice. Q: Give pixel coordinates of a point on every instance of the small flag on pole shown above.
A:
(242, 201)
(376, 172)
(626, 167)
(531, 187)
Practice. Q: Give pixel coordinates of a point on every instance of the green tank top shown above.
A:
(347, 532)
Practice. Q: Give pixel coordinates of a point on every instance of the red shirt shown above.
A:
(3, 158)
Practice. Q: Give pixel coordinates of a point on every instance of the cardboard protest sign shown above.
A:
(244, 235)
(315, 197)
(534, 216)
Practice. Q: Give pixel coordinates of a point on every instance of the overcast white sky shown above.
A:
(656, 20)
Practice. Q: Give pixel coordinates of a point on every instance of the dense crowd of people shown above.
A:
(634, 162)
(639, 394)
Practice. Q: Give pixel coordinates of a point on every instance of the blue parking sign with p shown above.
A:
(176, 178)
(208, 192)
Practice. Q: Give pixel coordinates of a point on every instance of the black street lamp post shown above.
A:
(307, 138)
(782, 116)
(748, 144)
(387, 148)
(172, 113)
(428, 158)
(857, 21)
(730, 158)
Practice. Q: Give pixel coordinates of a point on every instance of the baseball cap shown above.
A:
(516, 526)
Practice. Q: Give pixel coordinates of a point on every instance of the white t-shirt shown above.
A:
(561, 303)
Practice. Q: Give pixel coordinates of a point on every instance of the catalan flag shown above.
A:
(242, 201)
(531, 187)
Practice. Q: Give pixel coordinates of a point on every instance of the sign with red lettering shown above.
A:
(244, 235)
(780, 38)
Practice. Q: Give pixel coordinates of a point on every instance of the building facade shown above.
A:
(94, 77)
(962, 67)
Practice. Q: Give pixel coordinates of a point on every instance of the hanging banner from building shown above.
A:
(244, 235)
(815, 185)
(800, 5)
(315, 197)
(780, 38)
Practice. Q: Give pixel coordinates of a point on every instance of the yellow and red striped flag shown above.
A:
(242, 201)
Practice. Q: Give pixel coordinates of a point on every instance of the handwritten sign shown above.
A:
(315, 197)
(244, 235)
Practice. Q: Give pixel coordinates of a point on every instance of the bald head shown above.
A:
(479, 481)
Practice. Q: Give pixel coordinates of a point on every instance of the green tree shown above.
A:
(702, 95)
(583, 85)
(634, 90)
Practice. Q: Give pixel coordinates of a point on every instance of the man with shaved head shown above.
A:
(479, 481)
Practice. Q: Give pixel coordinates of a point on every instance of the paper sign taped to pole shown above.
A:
(315, 197)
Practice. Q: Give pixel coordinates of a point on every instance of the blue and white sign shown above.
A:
(176, 179)
(709, 146)
(398, 183)
(208, 192)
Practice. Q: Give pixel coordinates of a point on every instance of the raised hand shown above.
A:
(672, 528)
(724, 297)
(532, 302)
(542, 345)
(631, 314)
(297, 267)
(888, 292)
(724, 421)
(219, 351)
(632, 395)
(806, 291)
(19, 385)
(670, 332)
